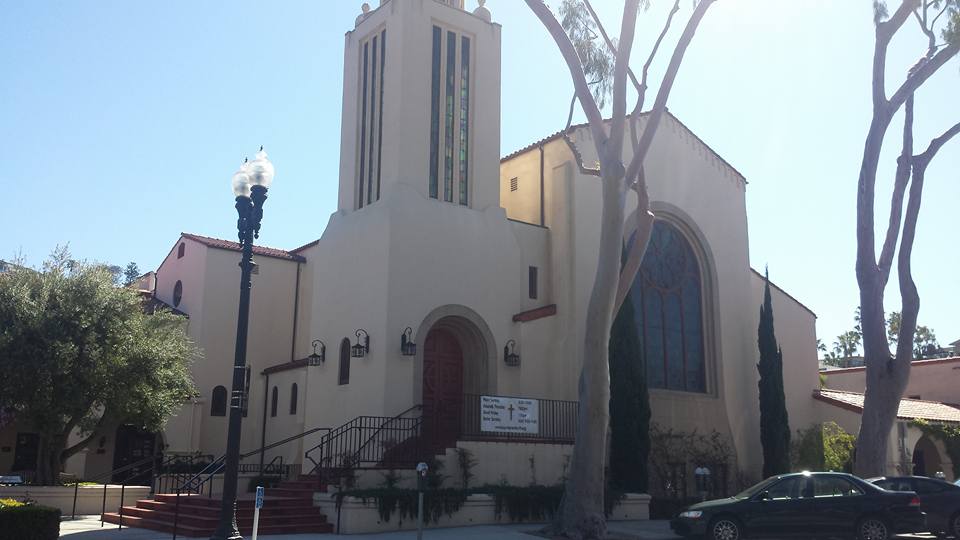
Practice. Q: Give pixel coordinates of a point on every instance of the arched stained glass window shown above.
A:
(218, 401)
(667, 296)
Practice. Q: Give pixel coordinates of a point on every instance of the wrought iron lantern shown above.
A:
(407, 346)
(317, 358)
(510, 356)
(360, 349)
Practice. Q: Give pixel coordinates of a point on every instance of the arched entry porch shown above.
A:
(926, 458)
(456, 358)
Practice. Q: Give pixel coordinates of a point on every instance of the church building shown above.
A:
(443, 305)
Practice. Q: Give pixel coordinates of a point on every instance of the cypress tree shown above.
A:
(774, 424)
(629, 405)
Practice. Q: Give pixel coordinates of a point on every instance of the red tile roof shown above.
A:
(234, 246)
(910, 409)
(914, 364)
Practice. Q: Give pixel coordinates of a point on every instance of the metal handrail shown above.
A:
(383, 426)
(108, 474)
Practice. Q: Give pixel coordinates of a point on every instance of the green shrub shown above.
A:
(29, 522)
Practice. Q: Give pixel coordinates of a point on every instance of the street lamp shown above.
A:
(250, 186)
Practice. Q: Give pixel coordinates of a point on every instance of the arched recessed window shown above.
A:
(177, 293)
(218, 401)
(344, 361)
(274, 396)
(181, 249)
(293, 398)
(668, 301)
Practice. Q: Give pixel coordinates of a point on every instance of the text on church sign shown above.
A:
(509, 415)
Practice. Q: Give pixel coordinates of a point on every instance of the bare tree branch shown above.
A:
(660, 103)
(619, 114)
(643, 227)
(921, 74)
(608, 41)
(885, 32)
(653, 53)
(924, 159)
(569, 52)
(899, 189)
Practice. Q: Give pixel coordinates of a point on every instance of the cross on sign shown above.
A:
(510, 408)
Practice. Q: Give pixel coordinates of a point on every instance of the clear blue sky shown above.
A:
(122, 122)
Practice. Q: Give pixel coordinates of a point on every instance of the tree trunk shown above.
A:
(581, 511)
(49, 463)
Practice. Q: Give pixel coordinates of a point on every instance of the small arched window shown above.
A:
(218, 401)
(293, 398)
(274, 396)
(177, 293)
(345, 361)
(668, 300)
(181, 249)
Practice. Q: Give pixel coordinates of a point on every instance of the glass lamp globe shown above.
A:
(261, 170)
(241, 181)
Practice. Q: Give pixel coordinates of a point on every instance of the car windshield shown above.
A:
(756, 488)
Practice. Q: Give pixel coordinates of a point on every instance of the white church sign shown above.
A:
(509, 415)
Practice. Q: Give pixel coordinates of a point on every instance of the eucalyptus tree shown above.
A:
(887, 372)
(581, 39)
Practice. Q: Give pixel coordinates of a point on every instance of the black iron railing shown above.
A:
(369, 442)
(556, 422)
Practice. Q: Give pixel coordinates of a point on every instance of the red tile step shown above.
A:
(198, 515)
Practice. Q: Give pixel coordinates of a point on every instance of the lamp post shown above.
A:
(250, 186)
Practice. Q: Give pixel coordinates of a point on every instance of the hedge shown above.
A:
(29, 522)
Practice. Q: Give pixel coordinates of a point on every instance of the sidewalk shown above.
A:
(88, 528)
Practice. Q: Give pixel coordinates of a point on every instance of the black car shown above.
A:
(805, 505)
(940, 500)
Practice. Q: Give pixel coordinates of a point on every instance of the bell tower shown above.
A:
(421, 104)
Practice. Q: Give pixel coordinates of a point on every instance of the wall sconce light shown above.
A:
(407, 346)
(317, 358)
(361, 349)
(510, 356)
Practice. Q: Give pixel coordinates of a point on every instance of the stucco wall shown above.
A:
(795, 328)
(932, 380)
(406, 101)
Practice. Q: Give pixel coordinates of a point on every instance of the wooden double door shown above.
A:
(442, 389)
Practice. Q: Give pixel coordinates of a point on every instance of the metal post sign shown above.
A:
(509, 415)
(259, 501)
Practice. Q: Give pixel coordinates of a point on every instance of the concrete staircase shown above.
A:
(287, 509)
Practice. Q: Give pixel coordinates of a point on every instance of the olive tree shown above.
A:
(78, 354)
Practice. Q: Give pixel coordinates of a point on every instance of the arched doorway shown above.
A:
(926, 458)
(442, 388)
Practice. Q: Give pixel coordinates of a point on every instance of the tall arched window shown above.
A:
(345, 361)
(218, 401)
(293, 398)
(275, 395)
(181, 249)
(668, 301)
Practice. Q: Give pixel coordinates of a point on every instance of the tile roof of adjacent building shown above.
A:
(914, 364)
(234, 246)
(556, 135)
(910, 409)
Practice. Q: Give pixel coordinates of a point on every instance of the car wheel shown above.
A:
(954, 527)
(872, 528)
(724, 528)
